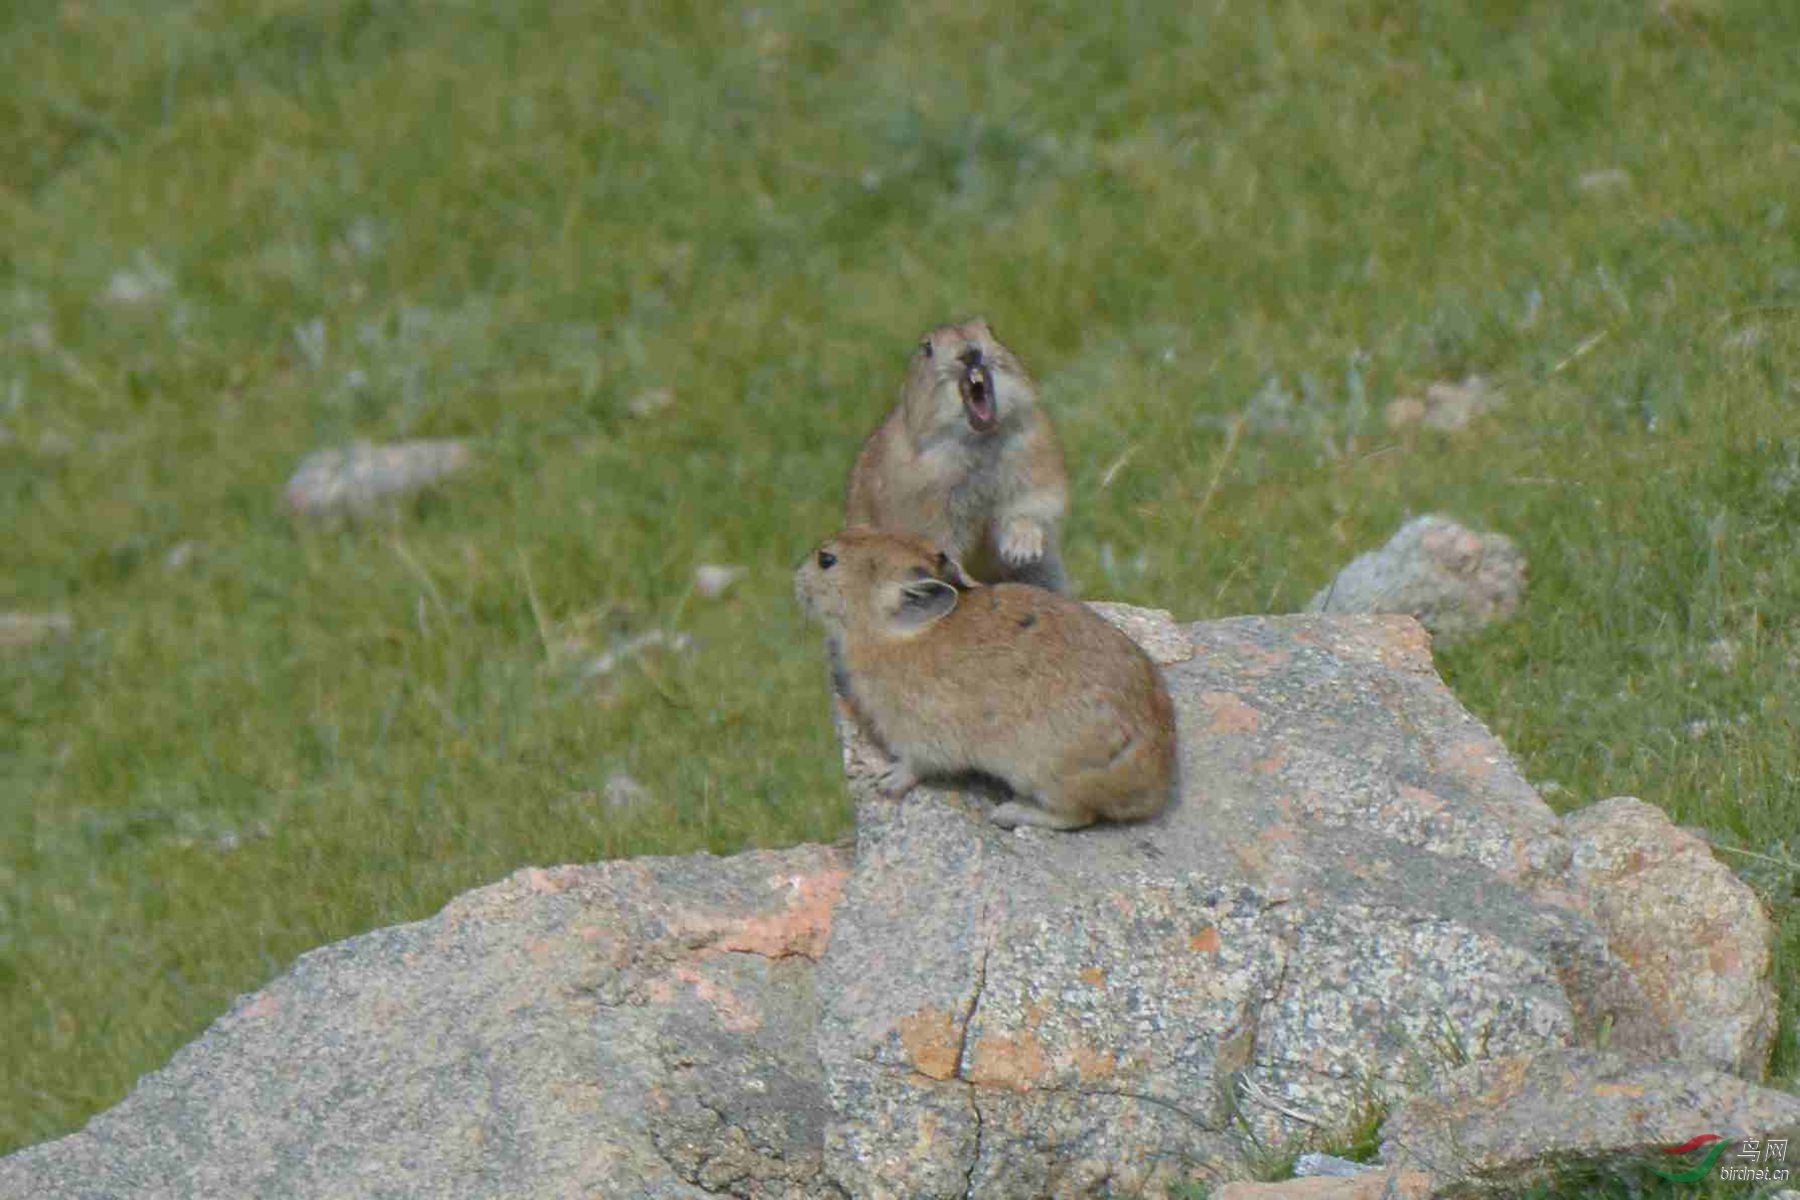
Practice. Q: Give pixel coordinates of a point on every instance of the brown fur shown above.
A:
(993, 499)
(1011, 680)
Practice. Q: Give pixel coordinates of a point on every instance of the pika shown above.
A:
(1010, 680)
(968, 460)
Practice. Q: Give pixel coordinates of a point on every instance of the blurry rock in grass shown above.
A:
(713, 580)
(1274, 409)
(1603, 180)
(314, 340)
(1722, 653)
(223, 841)
(1446, 406)
(363, 478)
(28, 629)
(1404, 411)
(1693, 933)
(361, 239)
(1747, 338)
(622, 791)
(645, 404)
(141, 283)
(1453, 579)
(52, 444)
(180, 555)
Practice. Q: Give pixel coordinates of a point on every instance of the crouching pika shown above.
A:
(1010, 680)
(967, 459)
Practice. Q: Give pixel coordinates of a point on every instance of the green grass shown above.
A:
(502, 222)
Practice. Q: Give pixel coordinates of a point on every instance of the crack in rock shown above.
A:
(974, 1159)
(962, 1047)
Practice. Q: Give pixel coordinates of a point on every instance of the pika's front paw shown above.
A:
(896, 781)
(1021, 541)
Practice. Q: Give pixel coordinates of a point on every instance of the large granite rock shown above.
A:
(1355, 890)
(1355, 896)
(639, 1028)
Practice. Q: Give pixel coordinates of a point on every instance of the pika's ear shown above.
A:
(951, 572)
(922, 603)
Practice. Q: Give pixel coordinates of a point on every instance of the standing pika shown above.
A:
(1011, 680)
(967, 460)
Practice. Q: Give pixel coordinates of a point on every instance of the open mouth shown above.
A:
(977, 388)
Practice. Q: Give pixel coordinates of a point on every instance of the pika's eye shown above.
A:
(925, 348)
(827, 560)
(943, 561)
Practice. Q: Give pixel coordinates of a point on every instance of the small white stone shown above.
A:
(1722, 653)
(27, 628)
(1603, 180)
(622, 791)
(145, 282)
(713, 580)
(314, 340)
(1446, 406)
(649, 402)
(1744, 339)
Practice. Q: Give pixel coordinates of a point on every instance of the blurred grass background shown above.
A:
(236, 231)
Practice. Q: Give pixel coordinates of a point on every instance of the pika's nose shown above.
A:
(970, 357)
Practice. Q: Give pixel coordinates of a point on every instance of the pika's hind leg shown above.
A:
(1014, 813)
